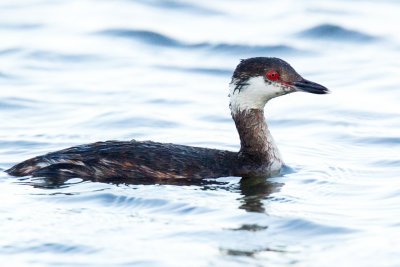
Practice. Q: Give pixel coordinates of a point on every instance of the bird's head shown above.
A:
(257, 80)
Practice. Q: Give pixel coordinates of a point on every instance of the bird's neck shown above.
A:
(255, 139)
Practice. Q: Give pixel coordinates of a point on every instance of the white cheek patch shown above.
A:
(254, 94)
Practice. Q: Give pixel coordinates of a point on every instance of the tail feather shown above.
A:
(49, 168)
(26, 167)
(42, 164)
(61, 170)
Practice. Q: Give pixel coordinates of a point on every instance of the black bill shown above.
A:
(309, 86)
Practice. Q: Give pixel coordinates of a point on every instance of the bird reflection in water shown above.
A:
(252, 190)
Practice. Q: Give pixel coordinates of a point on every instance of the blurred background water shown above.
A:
(74, 72)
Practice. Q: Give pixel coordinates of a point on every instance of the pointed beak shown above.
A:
(310, 87)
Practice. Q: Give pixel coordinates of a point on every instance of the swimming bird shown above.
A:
(254, 82)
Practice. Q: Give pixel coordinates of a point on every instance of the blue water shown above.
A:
(74, 72)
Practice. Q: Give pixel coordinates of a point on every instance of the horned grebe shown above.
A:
(254, 82)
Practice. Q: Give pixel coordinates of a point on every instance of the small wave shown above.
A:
(3, 75)
(21, 143)
(370, 140)
(251, 49)
(26, 26)
(327, 11)
(312, 229)
(172, 102)
(181, 6)
(207, 71)
(48, 247)
(4, 105)
(334, 32)
(106, 121)
(13, 103)
(362, 115)
(386, 163)
(111, 199)
(116, 201)
(392, 141)
(149, 37)
(53, 56)
(157, 39)
(302, 122)
(217, 118)
(9, 51)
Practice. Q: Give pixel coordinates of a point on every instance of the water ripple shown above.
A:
(206, 71)
(10, 51)
(20, 26)
(335, 32)
(55, 56)
(48, 248)
(158, 39)
(308, 228)
(180, 6)
(252, 49)
(148, 37)
(21, 143)
(118, 201)
(12, 103)
(107, 121)
(172, 102)
(4, 76)
(372, 140)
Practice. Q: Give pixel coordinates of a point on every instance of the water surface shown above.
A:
(75, 72)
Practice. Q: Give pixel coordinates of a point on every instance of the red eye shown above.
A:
(272, 75)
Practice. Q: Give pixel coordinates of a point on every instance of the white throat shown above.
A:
(254, 94)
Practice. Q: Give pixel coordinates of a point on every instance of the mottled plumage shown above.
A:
(132, 160)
